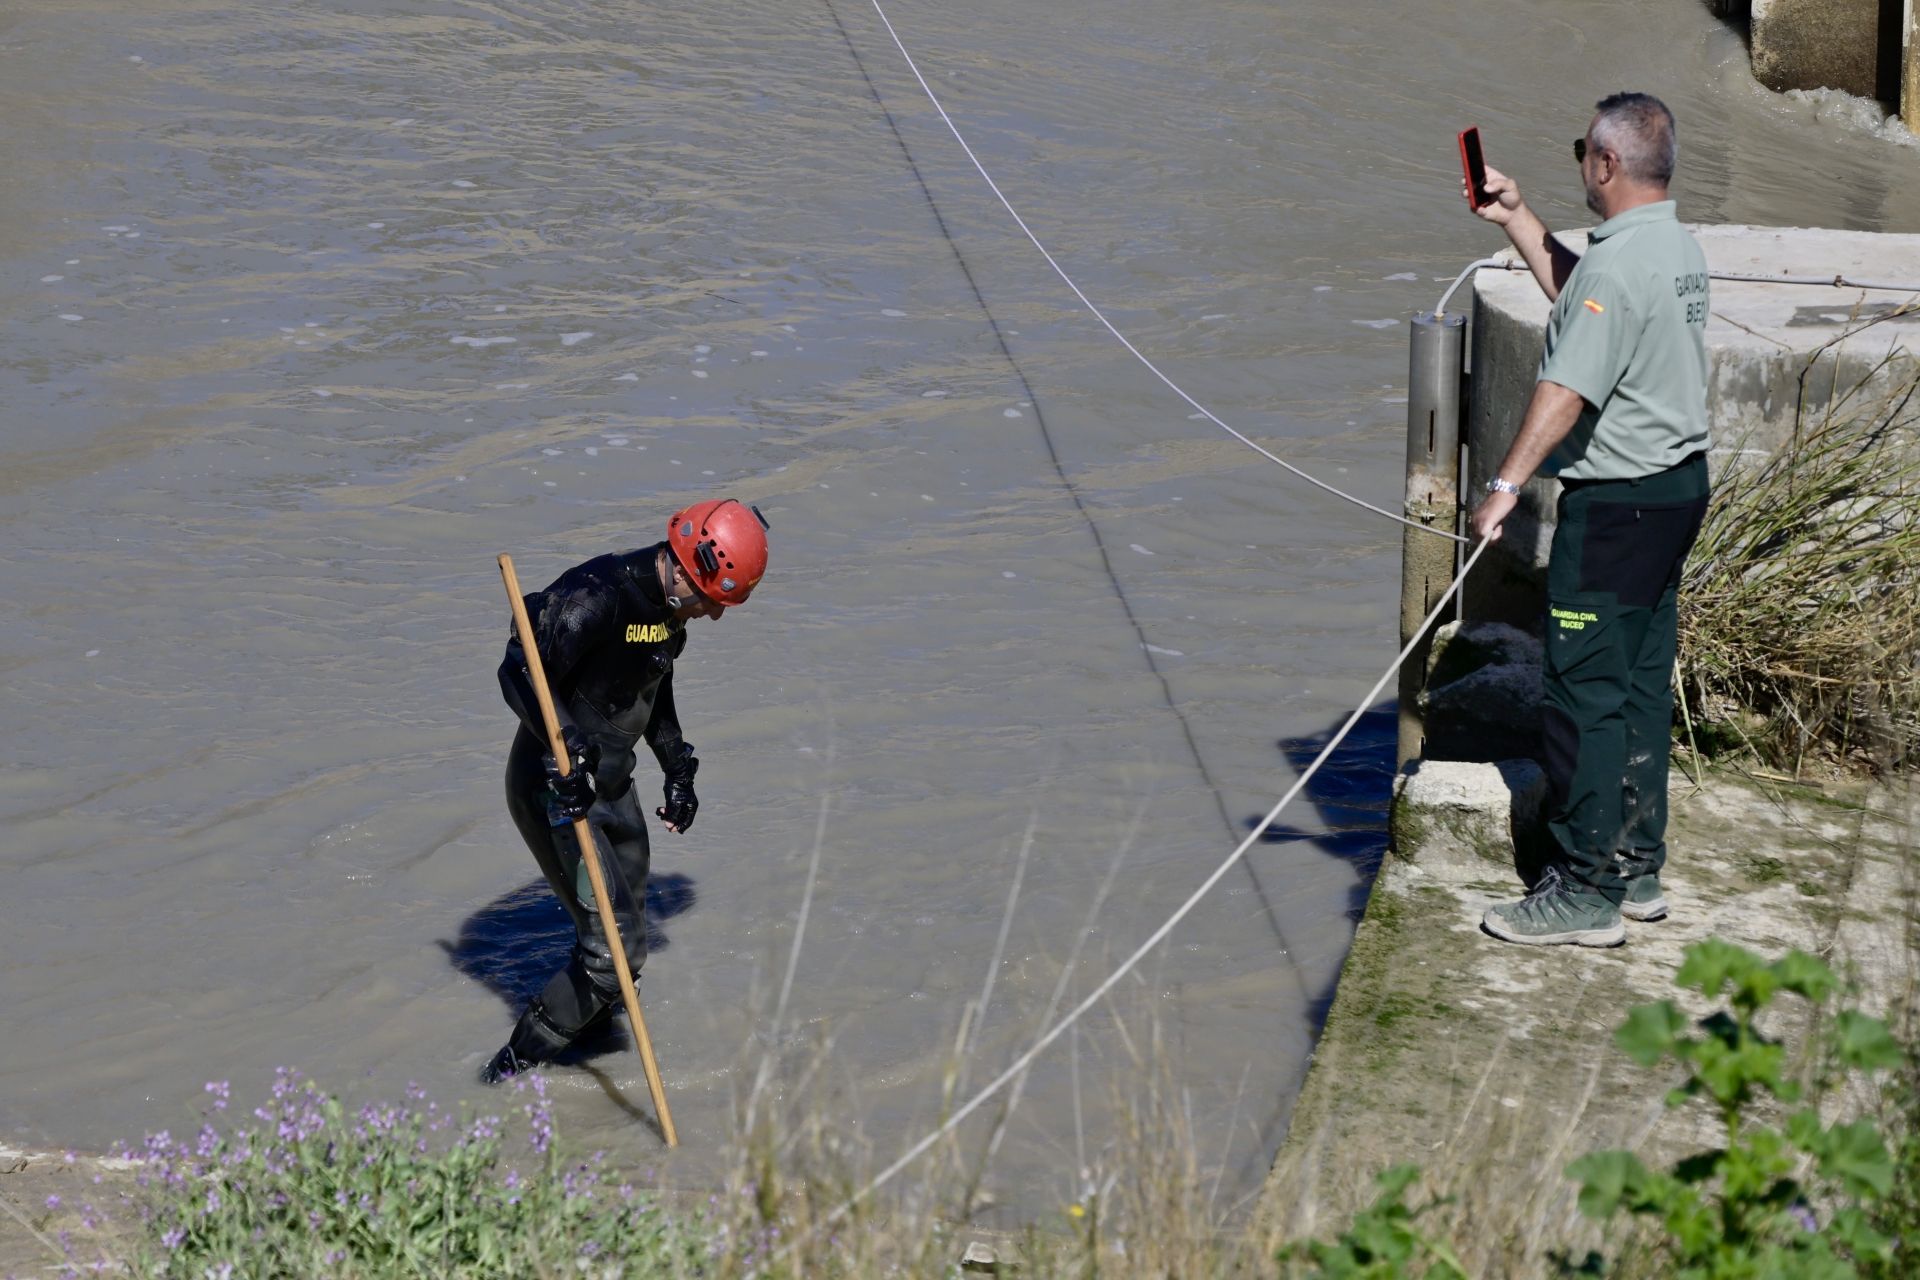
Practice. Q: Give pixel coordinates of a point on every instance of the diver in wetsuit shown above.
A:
(609, 631)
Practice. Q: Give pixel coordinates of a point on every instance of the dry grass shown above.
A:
(1800, 611)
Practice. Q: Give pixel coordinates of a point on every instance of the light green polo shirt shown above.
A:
(1628, 333)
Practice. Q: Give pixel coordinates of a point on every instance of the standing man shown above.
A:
(608, 633)
(1619, 414)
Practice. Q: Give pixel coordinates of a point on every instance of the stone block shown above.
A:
(1816, 44)
(1466, 822)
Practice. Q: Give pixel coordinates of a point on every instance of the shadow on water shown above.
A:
(1735, 15)
(1352, 795)
(523, 937)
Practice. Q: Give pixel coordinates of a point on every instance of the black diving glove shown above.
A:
(569, 797)
(681, 803)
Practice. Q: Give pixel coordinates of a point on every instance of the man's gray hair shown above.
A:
(1639, 129)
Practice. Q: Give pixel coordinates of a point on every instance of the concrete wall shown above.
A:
(1760, 340)
(1910, 67)
(1817, 44)
(1865, 47)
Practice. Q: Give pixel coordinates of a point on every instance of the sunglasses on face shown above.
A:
(1579, 150)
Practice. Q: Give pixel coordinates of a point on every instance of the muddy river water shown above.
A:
(311, 308)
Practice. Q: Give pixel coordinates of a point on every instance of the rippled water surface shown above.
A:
(309, 309)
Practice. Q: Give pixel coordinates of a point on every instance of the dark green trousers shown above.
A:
(1612, 579)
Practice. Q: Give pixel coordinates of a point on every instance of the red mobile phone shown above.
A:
(1474, 166)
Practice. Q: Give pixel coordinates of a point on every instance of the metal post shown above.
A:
(1436, 356)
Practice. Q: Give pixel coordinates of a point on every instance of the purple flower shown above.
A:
(173, 1237)
(221, 1091)
(540, 1125)
(53, 1202)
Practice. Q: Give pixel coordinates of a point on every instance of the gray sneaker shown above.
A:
(1556, 913)
(1644, 901)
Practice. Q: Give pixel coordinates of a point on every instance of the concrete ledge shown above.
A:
(1759, 340)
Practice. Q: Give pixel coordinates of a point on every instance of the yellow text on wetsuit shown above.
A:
(646, 633)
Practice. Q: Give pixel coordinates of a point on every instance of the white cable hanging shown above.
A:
(1159, 935)
(1152, 368)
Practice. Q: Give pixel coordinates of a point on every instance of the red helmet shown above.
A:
(722, 546)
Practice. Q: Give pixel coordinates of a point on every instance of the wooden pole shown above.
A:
(590, 852)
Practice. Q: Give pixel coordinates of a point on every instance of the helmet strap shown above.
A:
(665, 567)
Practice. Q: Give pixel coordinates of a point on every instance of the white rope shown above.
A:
(1099, 315)
(1441, 308)
(1837, 282)
(1159, 935)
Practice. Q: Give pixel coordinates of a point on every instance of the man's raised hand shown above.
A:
(1506, 198)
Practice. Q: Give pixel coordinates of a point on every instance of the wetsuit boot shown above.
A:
(534, 1040)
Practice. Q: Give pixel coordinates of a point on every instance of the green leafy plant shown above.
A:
(1791, 1201)
(1382, 1242)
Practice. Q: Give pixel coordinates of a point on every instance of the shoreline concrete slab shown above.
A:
(1493, 1066)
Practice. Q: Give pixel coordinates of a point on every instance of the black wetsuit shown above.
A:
(607, 639)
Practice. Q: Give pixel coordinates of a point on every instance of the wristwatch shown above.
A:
(1497, 485)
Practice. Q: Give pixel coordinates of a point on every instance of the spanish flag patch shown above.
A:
(1593, 306)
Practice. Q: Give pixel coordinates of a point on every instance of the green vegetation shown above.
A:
(1796, 1199)
(1795, 1187)
(1383, 1242)
(306, 1189)
(1798, 1196)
